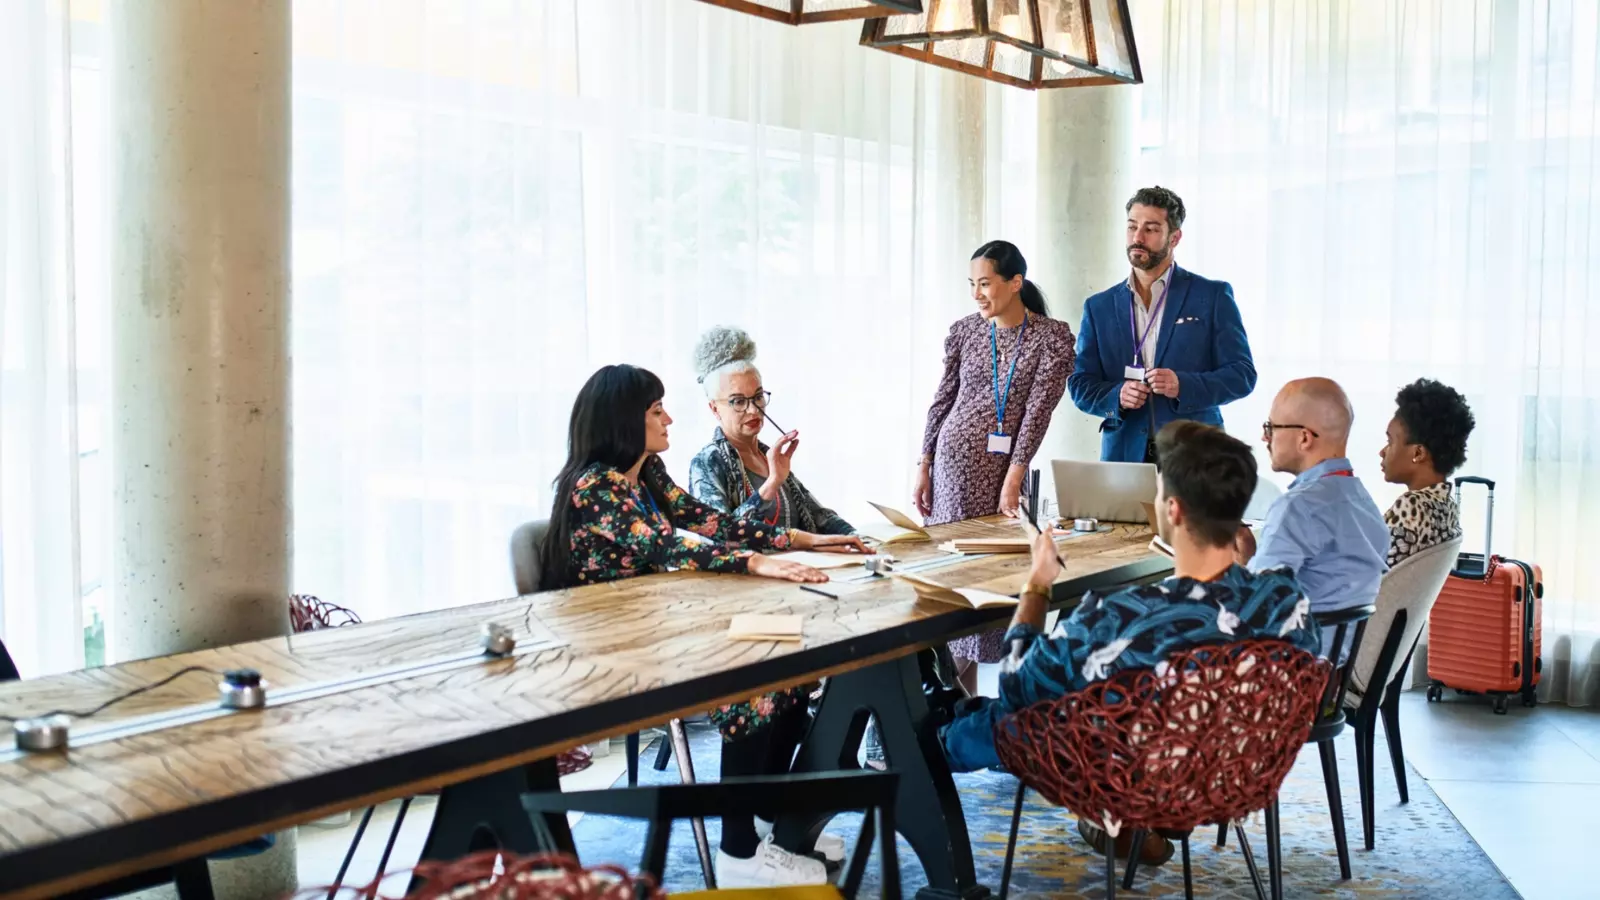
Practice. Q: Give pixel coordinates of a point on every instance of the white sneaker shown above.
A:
(830, 845)
(772, 866)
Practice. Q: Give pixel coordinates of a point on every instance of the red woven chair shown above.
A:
(1206, 738)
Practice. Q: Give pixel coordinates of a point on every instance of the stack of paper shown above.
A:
(751, 627)
(969, 598)
(987, 545)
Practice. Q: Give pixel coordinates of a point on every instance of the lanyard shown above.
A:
(1339, 473)
(1149, 326)
(655, 511)
(994, 350)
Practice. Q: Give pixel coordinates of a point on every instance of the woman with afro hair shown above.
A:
(1427, 442)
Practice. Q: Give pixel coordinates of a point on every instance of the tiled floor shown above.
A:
(1525, 785)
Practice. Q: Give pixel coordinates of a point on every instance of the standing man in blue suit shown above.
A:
(1165, 344)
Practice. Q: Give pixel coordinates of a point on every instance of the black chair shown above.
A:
(1329, 724)
(869, 791)
(8, 669)
(1382, 702)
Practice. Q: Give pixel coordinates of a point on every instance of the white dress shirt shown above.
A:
(1141, 315)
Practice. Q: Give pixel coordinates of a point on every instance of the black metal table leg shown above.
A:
(928, 812)
(486, 813)
(193, 880)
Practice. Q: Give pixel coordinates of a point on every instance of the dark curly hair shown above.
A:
(1437, 417)
(1161, 198)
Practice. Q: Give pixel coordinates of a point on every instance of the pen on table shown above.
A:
(807, 587)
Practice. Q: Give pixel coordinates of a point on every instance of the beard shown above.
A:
(1152, 257)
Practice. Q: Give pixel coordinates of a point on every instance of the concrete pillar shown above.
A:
(200, 336)
(1087, 161)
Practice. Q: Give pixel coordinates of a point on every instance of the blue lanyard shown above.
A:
(994, 351)
(655, 511)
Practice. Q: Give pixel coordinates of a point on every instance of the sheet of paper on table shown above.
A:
(752, 627)
(816, 559)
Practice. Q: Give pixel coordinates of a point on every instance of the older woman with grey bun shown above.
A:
(737, 473)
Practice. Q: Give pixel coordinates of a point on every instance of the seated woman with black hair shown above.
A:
(616, 515)
(1427, 442)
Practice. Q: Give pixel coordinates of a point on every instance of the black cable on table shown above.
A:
(84, 714)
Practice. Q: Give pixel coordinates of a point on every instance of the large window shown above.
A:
(491, 200)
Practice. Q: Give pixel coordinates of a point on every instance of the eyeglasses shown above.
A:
(1268, 427)
(741, 403)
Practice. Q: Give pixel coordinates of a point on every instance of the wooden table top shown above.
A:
(590, 663)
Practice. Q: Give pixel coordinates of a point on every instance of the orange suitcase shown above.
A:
(1484, 632)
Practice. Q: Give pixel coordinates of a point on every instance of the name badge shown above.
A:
(1133, 373)
(1000, 443)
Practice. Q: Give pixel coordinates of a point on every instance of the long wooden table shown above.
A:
(398, 707)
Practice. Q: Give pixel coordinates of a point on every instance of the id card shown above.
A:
(1133, 373)
(1000, 443)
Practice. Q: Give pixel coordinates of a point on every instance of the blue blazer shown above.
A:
(1202, 339)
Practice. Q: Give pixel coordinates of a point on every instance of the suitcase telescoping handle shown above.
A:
(1461, 570)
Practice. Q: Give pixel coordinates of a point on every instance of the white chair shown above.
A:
(1377, 677)
(1266, 492)
(527, 569)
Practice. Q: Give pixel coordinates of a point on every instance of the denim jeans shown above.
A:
(969, 739)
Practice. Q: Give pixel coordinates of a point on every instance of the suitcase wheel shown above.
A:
(1435, 692)
(1530, 698)
(1500, 704)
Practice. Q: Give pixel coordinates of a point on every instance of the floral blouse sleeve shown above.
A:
(692, 515)
(615, 536)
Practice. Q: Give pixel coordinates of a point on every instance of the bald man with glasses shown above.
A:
(1326, 526)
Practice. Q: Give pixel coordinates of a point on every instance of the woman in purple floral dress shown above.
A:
(616, 515)
(1005, 369)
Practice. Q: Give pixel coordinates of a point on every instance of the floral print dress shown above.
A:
(619, 532)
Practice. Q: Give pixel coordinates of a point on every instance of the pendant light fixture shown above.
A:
(1024, 43)
(806, 12)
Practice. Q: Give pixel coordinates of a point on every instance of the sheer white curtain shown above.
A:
(40, 618)
(492, 200)
(1406, 188)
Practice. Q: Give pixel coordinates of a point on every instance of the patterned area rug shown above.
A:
(1422, 851)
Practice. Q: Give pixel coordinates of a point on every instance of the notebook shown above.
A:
(900, 528)
(752, 627)
(968, 598)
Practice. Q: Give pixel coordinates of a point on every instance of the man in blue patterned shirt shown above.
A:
(1206, 480)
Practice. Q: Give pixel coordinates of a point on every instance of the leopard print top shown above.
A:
(1421, 519)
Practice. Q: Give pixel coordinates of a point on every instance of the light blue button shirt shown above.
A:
(1327, 528)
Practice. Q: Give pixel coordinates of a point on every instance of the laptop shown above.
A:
(1108, 491)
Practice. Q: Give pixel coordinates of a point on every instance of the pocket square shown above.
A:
(1183, 319)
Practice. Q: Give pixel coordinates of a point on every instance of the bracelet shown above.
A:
(1032, 587)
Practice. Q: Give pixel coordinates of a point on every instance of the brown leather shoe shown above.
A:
(1156, 850)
